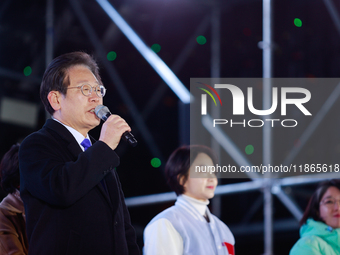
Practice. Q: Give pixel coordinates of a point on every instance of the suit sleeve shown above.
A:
(52, 172)
(130, 234)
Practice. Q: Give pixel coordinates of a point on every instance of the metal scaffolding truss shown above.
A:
(268, 186)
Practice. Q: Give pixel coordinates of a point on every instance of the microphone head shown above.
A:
(101, 111)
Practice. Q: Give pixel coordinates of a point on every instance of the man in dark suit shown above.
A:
(73, 198)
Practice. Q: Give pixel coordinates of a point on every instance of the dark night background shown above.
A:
(312, 50)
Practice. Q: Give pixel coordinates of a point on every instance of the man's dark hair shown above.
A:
(178, 165)
(312, 210)
(56, 74)
(9, 170)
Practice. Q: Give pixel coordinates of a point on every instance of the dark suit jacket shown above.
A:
(67, 209)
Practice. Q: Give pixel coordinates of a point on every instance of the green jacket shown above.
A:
(317, 239)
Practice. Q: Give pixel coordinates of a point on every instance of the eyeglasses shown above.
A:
(330, 202)
(87, 89)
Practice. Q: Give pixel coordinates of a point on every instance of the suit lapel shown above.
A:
(65, 136)
(75, 150)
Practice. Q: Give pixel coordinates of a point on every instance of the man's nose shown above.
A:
(94, 97)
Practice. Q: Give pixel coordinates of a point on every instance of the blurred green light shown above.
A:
(297, 22)
(27, 70)
(249, 149)
(156, 47)
(201, 39)
(156, 162)
(111, 56)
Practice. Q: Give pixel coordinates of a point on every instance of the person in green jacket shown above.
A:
(320, 224)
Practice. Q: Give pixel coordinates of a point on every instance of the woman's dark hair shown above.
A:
(178, 165)
(312, 210)
(9, 170)
(56, 74)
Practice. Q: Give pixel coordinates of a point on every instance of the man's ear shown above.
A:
(54, 99)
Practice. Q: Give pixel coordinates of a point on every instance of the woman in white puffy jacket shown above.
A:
(188, 227)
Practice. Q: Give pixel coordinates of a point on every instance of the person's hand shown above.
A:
(112, 130)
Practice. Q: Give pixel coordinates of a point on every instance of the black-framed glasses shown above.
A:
(87, 89)
(330, 202)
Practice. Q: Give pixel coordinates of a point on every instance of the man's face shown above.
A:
(77, 110)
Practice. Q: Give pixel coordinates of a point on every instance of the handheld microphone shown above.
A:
(104, 113)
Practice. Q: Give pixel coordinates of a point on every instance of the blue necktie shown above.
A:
(87, 144)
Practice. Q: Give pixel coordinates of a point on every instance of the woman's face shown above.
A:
(200, 185)
(330, 207)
